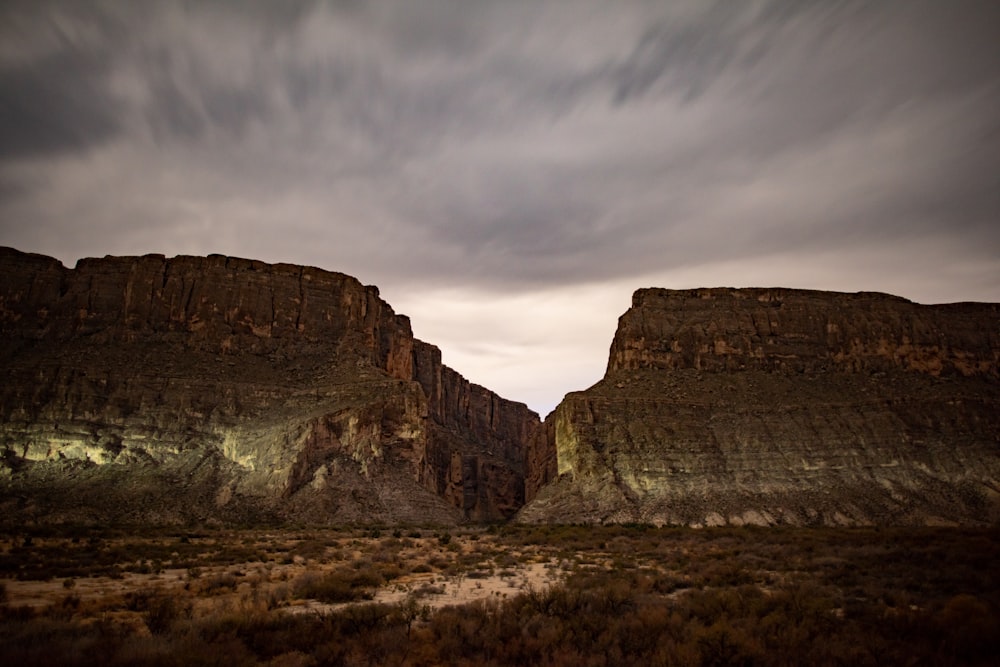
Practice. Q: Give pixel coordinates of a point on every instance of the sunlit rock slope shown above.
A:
(779, 406)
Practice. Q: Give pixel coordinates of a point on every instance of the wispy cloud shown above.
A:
(514, 155)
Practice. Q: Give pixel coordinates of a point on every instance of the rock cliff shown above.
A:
(779, 406)
(155, 389)
(147, 389)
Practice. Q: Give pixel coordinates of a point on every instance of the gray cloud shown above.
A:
(53, 105)
(509, 147)
(465, 127)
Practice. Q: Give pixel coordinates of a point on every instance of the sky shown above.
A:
(508, 172)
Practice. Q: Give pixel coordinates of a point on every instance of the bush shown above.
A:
(341, 585)
(162, 611)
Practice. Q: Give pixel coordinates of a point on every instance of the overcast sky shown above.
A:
(509, 172)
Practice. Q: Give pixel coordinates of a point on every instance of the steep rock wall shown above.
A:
(299, 389)
(803, 331)
(777, 406)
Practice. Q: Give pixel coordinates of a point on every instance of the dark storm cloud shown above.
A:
(56, 104)
(501, 144)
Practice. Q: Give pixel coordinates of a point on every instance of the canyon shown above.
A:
(146, 389)
(224, 390)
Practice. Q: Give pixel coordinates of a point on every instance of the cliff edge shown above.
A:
(781, 406)
(150, 389)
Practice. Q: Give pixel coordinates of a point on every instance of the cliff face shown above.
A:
(157, 389)
(775, 406)
(801, 331)
(196, 388)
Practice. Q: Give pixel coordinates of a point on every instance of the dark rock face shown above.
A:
(802, 331)
(776, 406)
(154, 389)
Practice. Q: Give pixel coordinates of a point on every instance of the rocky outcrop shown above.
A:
(777, 406)
(155, 389)
(802, 331)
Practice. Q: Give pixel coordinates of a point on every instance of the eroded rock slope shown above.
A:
(778, 406)
(150, 389)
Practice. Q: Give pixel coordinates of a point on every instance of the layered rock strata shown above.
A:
(155, 389)
(778, 406)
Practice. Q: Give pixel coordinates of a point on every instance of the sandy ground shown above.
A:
(459, 590)
(437, 591)
(257, 581)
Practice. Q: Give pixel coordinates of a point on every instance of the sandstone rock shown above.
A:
(776, 406)
(154, 389)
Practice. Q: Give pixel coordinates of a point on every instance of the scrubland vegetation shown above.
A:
(513, 595)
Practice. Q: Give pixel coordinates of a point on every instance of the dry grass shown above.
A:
(518, 595)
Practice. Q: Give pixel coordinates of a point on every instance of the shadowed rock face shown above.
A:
(777, 406)
(154, 389)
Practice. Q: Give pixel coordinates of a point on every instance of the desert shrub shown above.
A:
(184, 649)
(333, 587)
(506, 560)
(439, 563)
(666, 583)
(728, 572)
(968, 629)
(162, 611)
(390, 571)
(367, 578)
(429, 589)
(277, 596)
(387, 553)
(721, 644)
(340, 585)
(310, 549)
(479, 574)
(44, 641)
(216, 583)
(139, 600)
